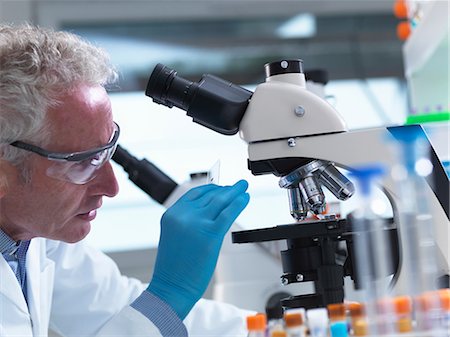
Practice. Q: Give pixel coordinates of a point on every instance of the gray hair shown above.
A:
(36, 66)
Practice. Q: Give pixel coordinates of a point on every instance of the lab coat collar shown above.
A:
(9, 286)
(40, 274)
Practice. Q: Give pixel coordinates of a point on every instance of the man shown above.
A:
(57, 136)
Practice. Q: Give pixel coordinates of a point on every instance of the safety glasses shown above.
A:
(77, 167)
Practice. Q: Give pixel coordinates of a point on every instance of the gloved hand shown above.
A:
(192, 231)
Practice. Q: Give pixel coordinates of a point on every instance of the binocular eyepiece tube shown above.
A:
(212, 102)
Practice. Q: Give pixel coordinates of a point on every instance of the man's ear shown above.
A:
(8, 175)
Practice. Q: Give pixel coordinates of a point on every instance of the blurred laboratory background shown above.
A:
(370, 72)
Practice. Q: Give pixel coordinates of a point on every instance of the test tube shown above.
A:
(338, 320)
(358, 319)
(434, 308)
(386, 316)
(419, 249)
(372, 251)
(403, 311)
(294, 320)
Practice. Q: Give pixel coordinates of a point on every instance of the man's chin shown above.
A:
(78, 233)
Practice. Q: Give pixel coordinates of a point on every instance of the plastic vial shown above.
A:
(338, 320)
(386, 316)
(317, 322)
(256, 325)
(358, 320)
(433, 309)
(403, 310)
(277, 330)
(294, 321)
(430, 312)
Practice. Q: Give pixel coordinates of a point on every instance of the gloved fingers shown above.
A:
(198, 192)
(222, 195)
(229, 214)
(213, 203)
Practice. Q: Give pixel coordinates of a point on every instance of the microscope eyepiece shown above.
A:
(145, 175)
(166, 88)
(212, 102)
(283, 67)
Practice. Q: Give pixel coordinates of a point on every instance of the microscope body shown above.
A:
(282, 107)
(286, 126)
(298, 136)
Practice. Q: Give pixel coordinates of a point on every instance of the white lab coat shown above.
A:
(78, 291)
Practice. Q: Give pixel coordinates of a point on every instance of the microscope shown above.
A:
(300, 138)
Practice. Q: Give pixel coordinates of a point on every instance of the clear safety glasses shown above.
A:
(77, 167)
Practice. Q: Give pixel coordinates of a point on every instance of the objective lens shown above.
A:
(297, 205)
(336, 182)
(312, 193)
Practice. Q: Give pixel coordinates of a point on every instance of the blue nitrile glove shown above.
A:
(192, 231)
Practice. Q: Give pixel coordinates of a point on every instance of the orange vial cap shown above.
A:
(256, 322)
(403, 308)
(428, 301)
(444, 296)
(336, 312)
(293, 319)
(422, 302)
(400, 9)
(432, 299)
(403, 305)
(403, 30)
(356, 309)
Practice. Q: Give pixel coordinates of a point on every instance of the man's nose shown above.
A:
(105, 183)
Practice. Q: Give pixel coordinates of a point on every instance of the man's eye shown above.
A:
(81, 165)
(97, 159)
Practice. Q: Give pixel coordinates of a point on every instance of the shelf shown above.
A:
(427, 37)
(426, 55)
